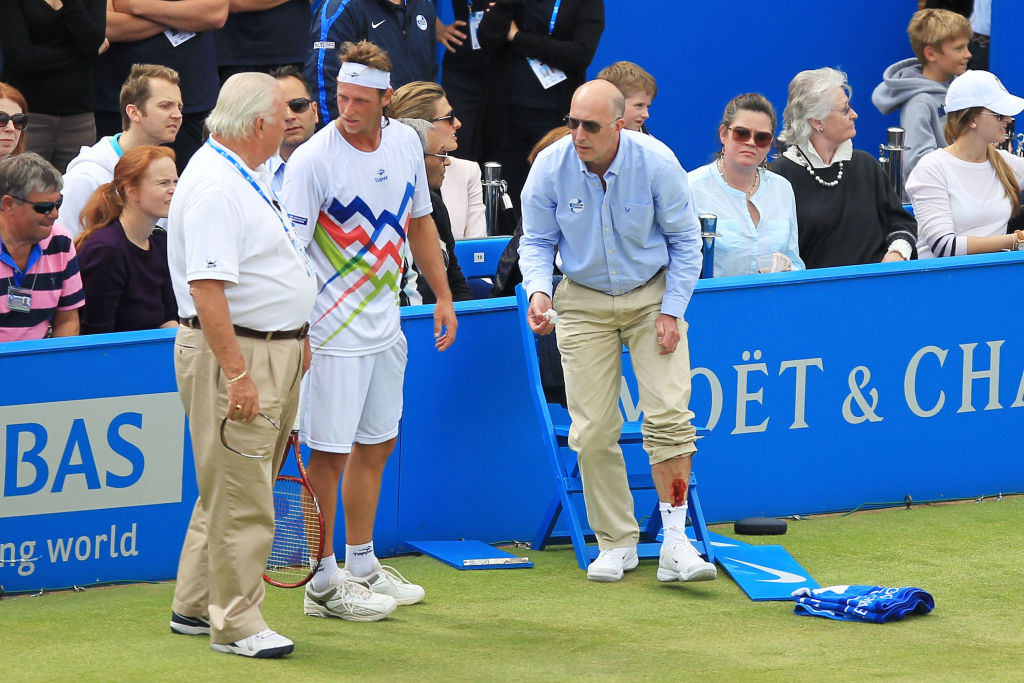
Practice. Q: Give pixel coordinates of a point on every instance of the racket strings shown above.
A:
(296, 533)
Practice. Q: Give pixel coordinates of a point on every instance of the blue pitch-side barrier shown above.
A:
(822, 390)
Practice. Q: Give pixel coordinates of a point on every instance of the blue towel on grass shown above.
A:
(875, 604)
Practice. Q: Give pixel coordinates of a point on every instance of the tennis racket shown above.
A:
(298, 528)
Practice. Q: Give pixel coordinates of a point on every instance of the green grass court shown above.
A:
(550, 624)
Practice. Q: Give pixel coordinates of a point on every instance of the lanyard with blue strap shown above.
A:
(17, 274)
(554, 16)
(274, 204)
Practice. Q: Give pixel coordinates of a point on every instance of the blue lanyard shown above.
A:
(274, 204)
(115, 142)
(554, 15)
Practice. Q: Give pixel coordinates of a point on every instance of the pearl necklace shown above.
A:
(751, 191)
(823, 183)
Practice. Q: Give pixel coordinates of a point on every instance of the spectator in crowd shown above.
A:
(756, 209)
(13, 121)
(50, 48)
(916, 87)
(40, 286)
(436, 159)
(965, 193)
(540, 53)
(174, 33)
(638, 87)
(847, 210)
(628, 280)
(123, 259)
(299, 123)
(464, 71)
(462, 189)
(263, 35)
(402, 28)
(150, 102)
(350, 190)
(244, 290)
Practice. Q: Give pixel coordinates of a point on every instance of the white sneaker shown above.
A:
(680, 561)
(610, 564)
(347, 598)
(264, 644)
(388, 581)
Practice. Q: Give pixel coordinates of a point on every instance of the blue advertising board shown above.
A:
(822, 390)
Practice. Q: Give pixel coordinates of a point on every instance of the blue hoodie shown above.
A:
(920, 101)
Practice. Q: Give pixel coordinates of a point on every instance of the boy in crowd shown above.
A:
(639, 89)
(917, 86)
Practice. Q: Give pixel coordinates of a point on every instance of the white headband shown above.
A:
(360, 74)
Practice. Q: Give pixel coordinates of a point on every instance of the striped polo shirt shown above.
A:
(52, 276)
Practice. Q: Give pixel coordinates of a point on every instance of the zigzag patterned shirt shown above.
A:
(351, 209)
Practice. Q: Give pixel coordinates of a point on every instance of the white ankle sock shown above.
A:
(359, 559)
(322, 578)
(673, 519)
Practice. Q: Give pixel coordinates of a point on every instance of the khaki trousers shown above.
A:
(592, 327)
(220, 572)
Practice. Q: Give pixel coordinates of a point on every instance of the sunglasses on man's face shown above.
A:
(449, 117)
(20, 120)
(592, 127)
(300, 105)
(761, 138)
(41, 208)
(440, 155)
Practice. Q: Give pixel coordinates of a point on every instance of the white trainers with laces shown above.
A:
(347, 598)
(387, 580)
(680, 561)
(610, 563)
(264, 644)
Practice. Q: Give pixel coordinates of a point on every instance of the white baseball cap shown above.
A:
(982, 89)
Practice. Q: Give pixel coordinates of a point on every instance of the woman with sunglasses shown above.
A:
(123, 259)
(755, 207)
(13, 121)
(965, 193)
(461, 190)
(847, 210)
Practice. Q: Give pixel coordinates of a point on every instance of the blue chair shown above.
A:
(567, 503)
(478, 259)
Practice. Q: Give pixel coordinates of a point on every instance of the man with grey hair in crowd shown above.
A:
(40, 284)
(245, 290)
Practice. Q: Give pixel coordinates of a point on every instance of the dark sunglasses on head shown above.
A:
(592, 127)
(449, 117)
(300, 105)
(40, 207)
(20, 120)
(761, 139)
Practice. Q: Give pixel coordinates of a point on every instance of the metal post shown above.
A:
(892, 158)
(494, 192)
(708, 232)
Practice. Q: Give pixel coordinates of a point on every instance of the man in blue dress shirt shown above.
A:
(616, 206)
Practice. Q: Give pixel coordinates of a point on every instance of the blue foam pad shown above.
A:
(470, 555)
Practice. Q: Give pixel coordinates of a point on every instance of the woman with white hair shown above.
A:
(965, 193)
(847, 211)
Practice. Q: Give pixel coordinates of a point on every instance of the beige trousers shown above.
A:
(220, 572)
(592, 327)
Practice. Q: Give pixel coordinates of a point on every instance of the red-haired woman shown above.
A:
(13, 121)
(123, 259)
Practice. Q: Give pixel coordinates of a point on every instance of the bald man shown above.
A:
(616, 205)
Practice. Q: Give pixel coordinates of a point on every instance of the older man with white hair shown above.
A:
(245, 289)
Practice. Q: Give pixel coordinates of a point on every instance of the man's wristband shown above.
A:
(245, 373)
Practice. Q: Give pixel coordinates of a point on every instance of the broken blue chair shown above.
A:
(567, 504)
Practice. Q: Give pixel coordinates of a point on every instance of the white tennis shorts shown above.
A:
(353, 399)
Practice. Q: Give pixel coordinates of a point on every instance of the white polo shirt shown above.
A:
(221, 228)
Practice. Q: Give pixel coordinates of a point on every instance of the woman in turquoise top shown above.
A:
(756, 210)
